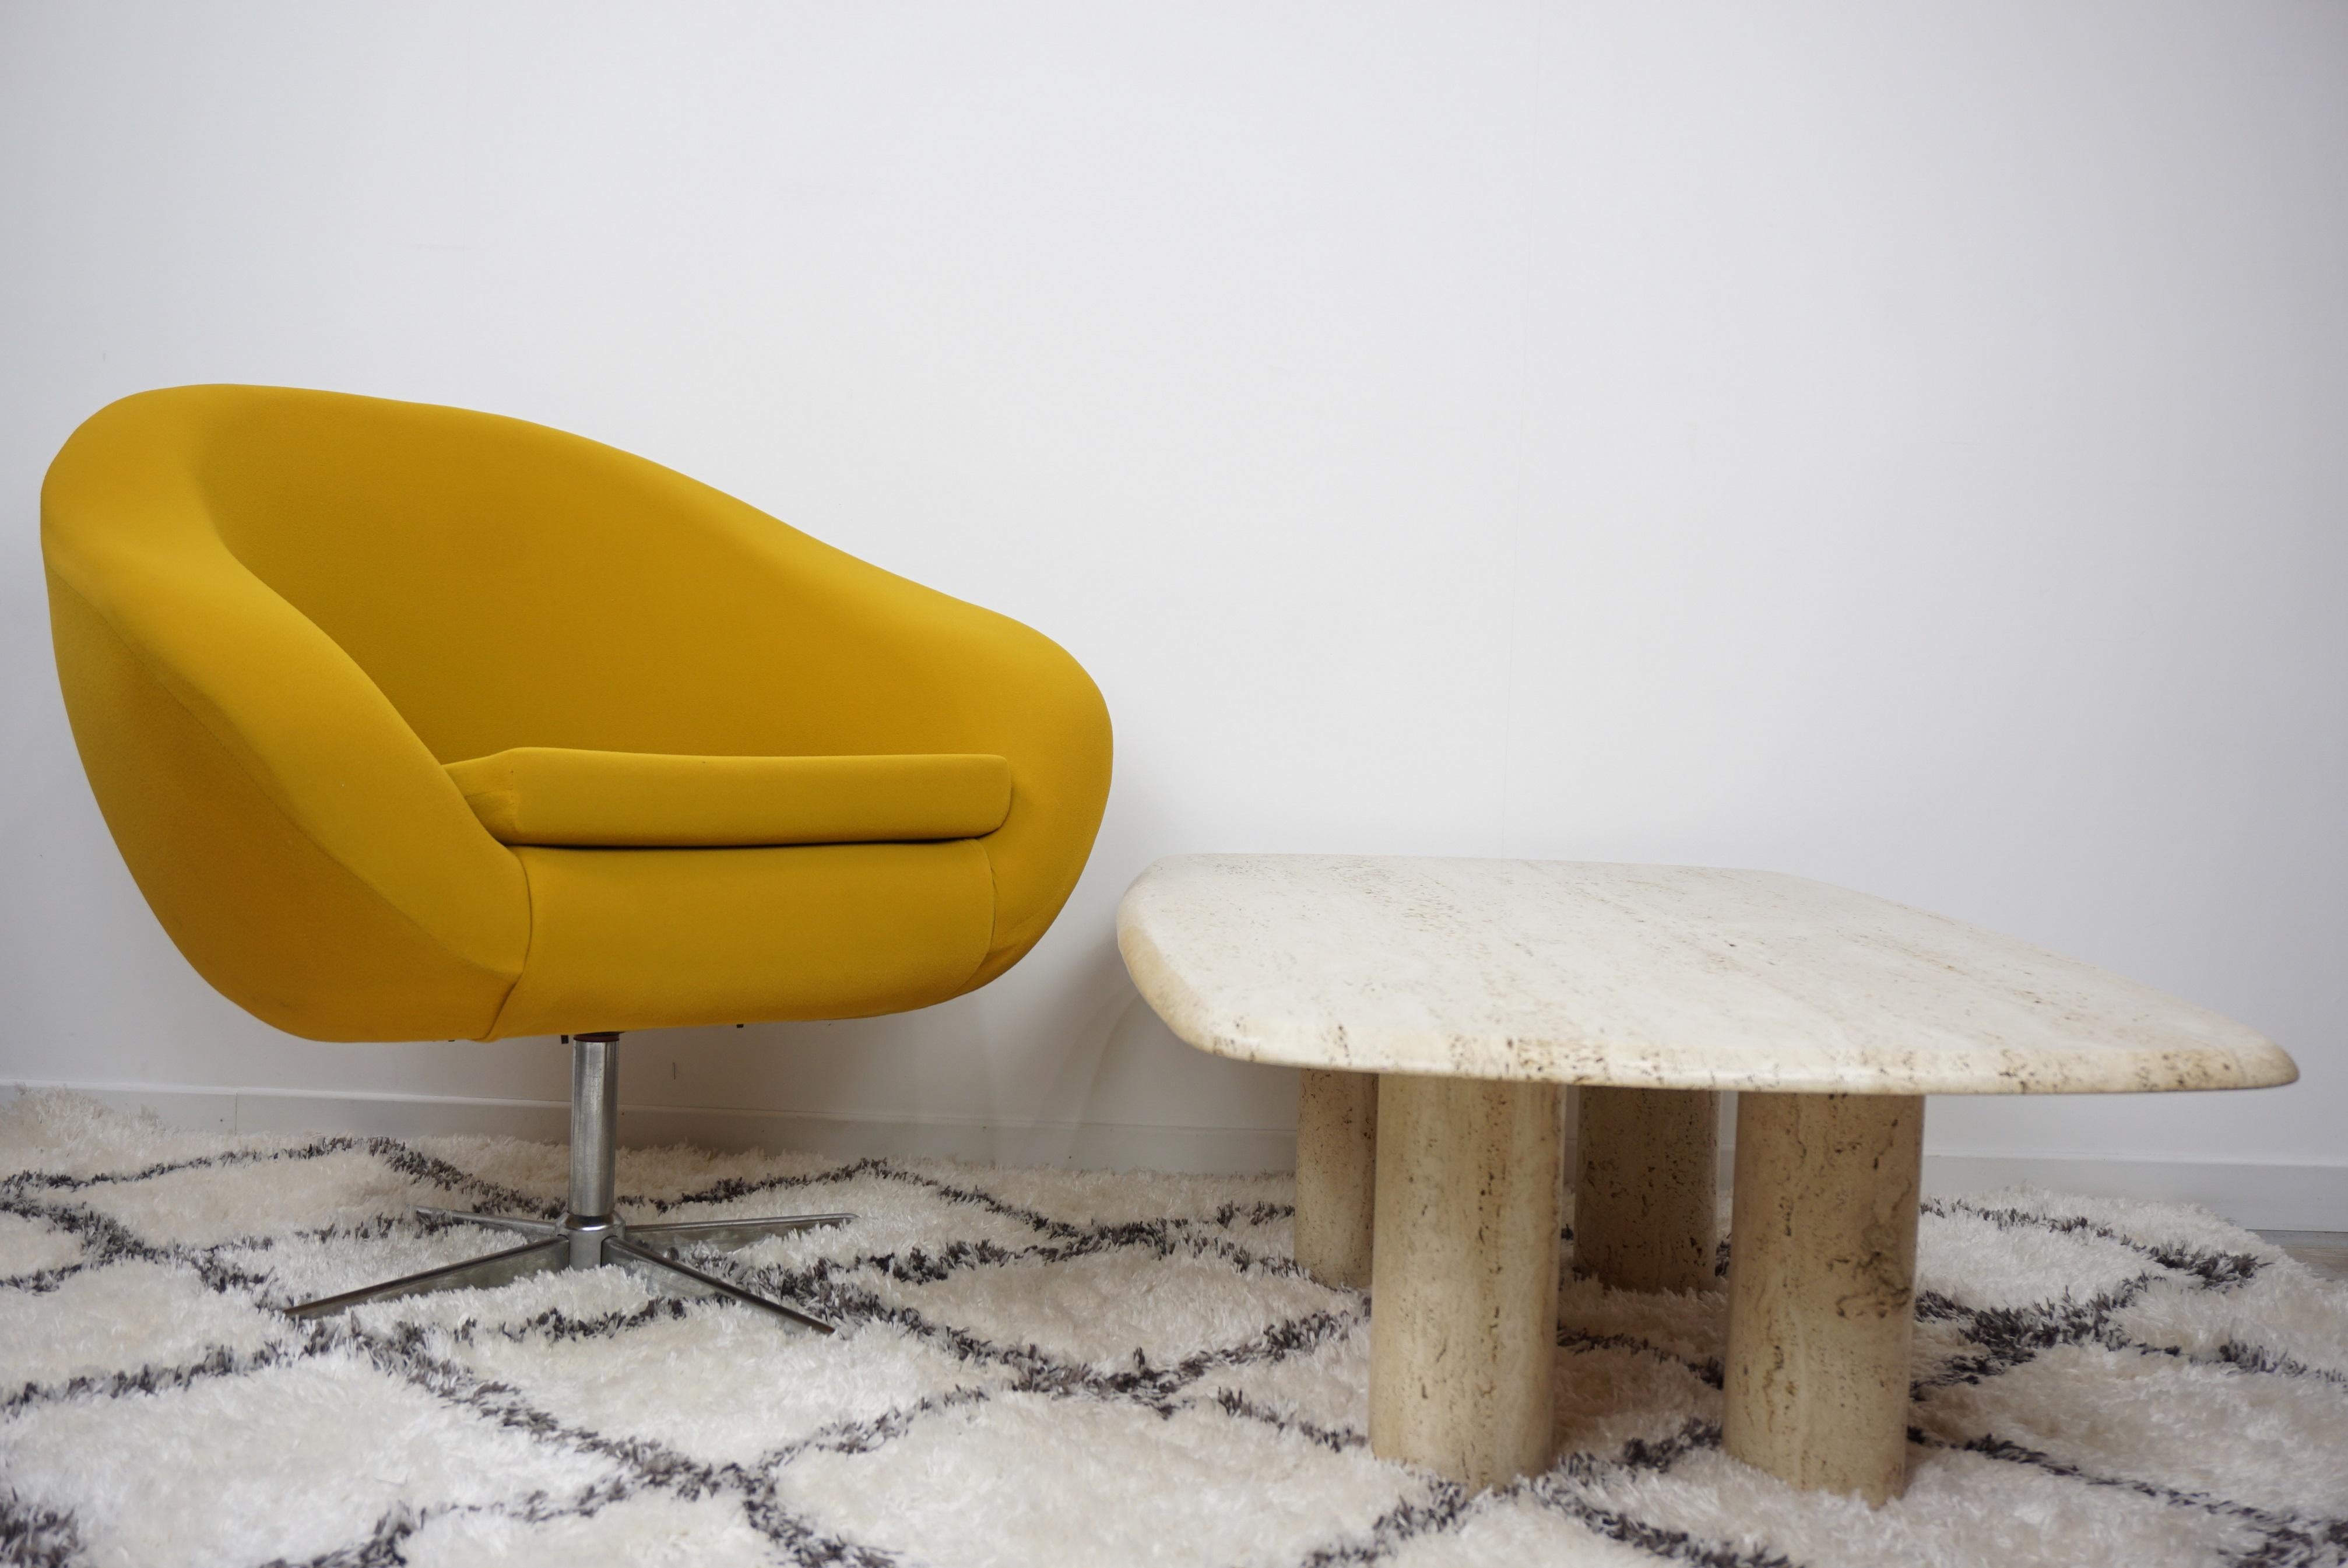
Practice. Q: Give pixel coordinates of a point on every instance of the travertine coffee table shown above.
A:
(1472, 989)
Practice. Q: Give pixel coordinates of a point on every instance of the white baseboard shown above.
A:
(1085, 1146)
(2261, 1197)
(2266, 1197)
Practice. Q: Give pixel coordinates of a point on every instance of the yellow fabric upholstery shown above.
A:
(280, 616)
(859, 929)
(553, 795)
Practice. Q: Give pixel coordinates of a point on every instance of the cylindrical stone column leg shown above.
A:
(1822, 1288)
(1646, 1202)
(1336, 1175)
(1462, 1320)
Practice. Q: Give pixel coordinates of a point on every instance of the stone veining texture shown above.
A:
(1464, 1278)
(1644, 976)
(1336, 1175)
(1822, 1289)
(1646, 1192)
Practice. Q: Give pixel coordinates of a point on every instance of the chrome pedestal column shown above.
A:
(591, 1234)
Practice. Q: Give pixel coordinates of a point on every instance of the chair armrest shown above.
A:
(636, 799)
(876, 663)
(987, 683)
(145, 593)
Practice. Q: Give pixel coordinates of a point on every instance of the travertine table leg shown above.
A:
(1336, 1174)
(1821, 1288)
(1646, 1199)
(1463, 1320)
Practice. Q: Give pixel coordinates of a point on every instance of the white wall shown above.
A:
(1899, 445)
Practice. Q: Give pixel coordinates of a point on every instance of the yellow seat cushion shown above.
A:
(671, 938)
(557, 795)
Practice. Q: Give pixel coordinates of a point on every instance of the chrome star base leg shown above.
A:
(590, 1235)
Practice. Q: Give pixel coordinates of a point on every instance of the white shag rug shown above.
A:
(1045, 1368)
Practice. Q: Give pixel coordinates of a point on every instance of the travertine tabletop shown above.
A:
(1644, 976)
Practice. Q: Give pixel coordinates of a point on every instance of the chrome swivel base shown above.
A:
(590, 1235)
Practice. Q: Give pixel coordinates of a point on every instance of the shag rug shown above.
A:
(1044, 1367)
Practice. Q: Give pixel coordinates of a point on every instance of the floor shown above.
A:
(1051, 1369)
(2325, 1252)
